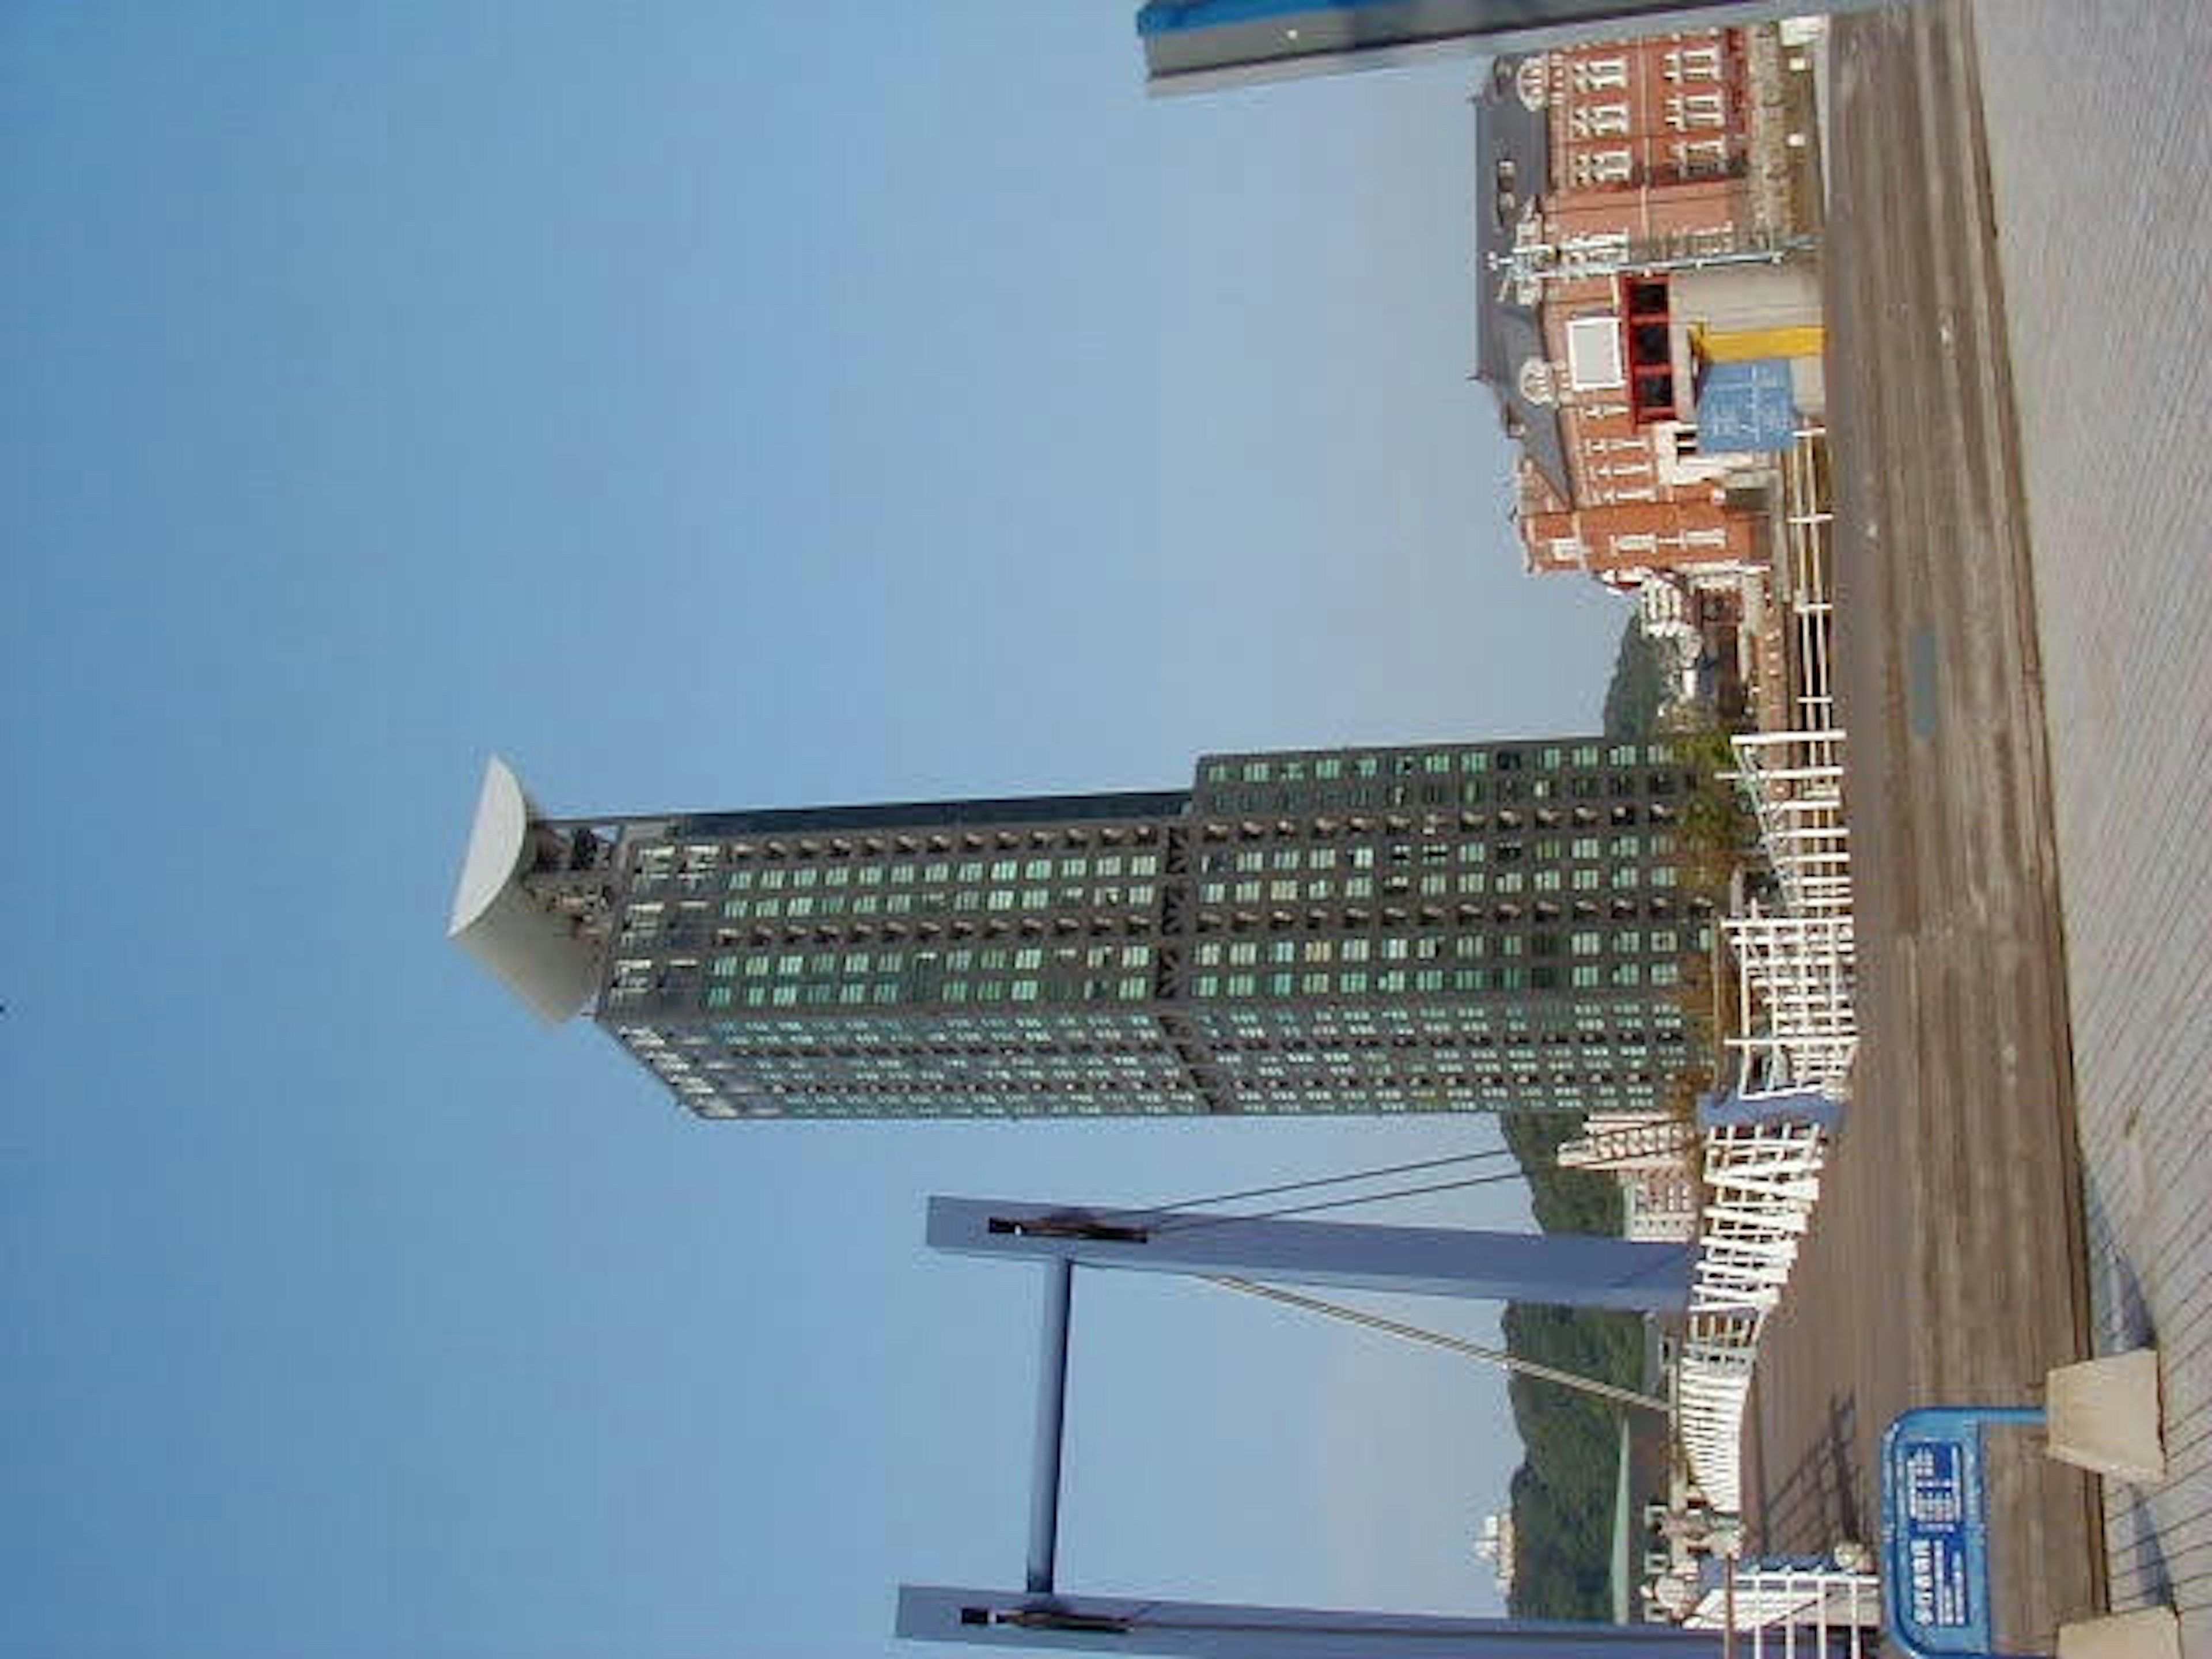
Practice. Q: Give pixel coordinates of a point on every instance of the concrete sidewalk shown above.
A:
(2101, 178)
(2025, 586)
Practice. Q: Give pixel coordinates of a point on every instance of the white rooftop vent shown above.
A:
(534, 953)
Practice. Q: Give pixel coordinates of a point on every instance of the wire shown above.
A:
(1324, 1181)
(1436, 1339)
(1193, 1222)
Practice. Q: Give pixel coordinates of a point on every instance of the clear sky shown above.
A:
(704, 405)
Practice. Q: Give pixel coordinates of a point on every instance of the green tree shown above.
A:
(1563, 1493)
(1639, 686)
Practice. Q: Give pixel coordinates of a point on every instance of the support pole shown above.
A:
(1214, 1630)
(1564, 1269)
(1051, 1426)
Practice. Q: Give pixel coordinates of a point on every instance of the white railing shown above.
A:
(1790, 1612)
(1797, 954)
(1797, 957)
(1797, 1009)
(1806, 516)
(1761, 1181)
(1793, 782)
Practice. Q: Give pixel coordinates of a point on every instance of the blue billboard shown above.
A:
(1746, 406)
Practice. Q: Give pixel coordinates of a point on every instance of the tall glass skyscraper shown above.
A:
(1452, 928)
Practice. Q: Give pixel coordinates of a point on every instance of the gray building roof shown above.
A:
(1512, 162)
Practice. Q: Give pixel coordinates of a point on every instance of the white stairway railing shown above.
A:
(1762, 1180)
(1797, 954)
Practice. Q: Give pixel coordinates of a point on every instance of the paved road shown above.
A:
(2022, 263)
(2105, 243)
(1946, 1260)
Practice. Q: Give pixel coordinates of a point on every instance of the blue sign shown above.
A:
(1936, 1540)
(1746, 406)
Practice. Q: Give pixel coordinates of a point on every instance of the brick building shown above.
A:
(1625, 234)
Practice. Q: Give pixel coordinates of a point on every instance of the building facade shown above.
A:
(1454, 927)
(1628, 235)
(1655, 1158)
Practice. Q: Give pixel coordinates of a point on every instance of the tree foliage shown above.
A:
(1563, 1493)
(1639, 686)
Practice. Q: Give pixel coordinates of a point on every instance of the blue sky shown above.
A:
(704, 406)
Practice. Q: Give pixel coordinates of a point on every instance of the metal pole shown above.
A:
(1051, 1425)
(1565, 1269)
